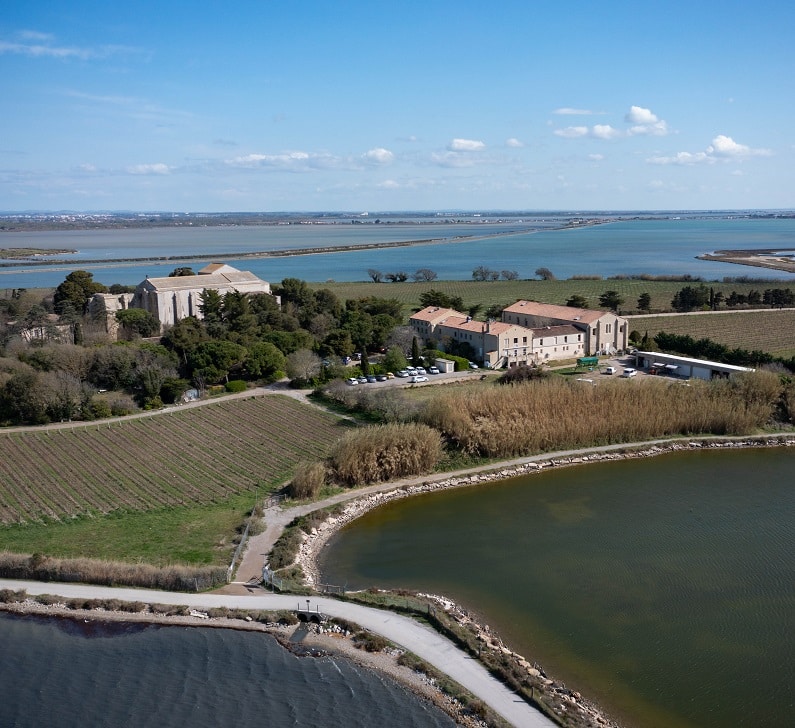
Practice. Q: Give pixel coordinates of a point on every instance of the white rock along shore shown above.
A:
(319, 537)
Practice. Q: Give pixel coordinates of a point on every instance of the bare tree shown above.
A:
(509, 275)
(376, 275)
(303, 364)
(424, 274)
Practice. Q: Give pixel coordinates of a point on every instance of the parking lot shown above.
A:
(422, 379)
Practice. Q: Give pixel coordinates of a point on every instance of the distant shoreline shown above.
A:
(764, 258)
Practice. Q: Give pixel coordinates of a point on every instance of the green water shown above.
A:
(663, 589)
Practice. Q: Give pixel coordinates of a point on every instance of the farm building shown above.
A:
(603, 332)
(176, 297)
(682, 367)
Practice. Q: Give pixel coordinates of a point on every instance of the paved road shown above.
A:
(419, 639)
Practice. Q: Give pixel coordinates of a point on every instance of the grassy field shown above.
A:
(173, 487)
(772, 331)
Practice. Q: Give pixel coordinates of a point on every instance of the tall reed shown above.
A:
(556, 414)
(385, 452)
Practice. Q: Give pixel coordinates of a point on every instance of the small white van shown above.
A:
(610, 370)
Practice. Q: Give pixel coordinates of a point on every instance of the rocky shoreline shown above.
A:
(565, 701)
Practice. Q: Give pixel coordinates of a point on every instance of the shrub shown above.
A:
(309, 478)
(236, 385)
(523, 373)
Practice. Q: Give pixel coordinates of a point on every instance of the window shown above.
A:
(608, 328)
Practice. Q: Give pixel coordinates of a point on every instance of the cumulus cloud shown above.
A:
(643, 122)
(604, 131)
(639, 115)
(513, 143)
(287, 159)
(158, 168)
(723, 148)
(378, 156)
(465, 145)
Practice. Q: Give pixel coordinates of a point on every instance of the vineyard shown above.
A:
(772, 331)
(487, 293)
(180, 458)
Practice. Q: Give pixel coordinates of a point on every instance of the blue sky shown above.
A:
(365, 106)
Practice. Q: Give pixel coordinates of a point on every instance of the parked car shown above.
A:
(389, 375)
(472, 365)
(629, 372)
(362, 380)
(411, 371)
(418, 378)
(371, 378)
(403, 373)
(352, 380)
(381, 377)
(433, 370)
(610, 370)
(421, 370)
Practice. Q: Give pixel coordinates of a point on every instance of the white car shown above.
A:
(433, 370)
(472, 365)
(610, 370)
(629, 372)
(402, 374)
(421, 370)
(418, 378)
(352, 381)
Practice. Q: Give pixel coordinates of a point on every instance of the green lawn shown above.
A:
(201, 535)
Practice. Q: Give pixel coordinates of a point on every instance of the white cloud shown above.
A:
(572, 132)
(596, 157)
(639, 115)
(513, 143)
(465, 145)
(378, 156)
(158, 168)
(287, 159)
(388, 184)
(644, 122)
(723, 148)
(604, 131)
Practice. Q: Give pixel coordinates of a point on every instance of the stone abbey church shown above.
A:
(174, 298)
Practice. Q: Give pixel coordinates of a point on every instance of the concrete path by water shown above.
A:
(419, 639)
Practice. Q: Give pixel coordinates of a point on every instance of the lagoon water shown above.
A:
(660, 588)
(60, 673)
(634, 247)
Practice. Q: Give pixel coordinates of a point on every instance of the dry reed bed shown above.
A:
(555, 414)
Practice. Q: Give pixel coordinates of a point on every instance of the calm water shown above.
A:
(662, 588)
(657, 247)
(60, 673)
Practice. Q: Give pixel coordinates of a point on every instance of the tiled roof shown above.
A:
(548, 310)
